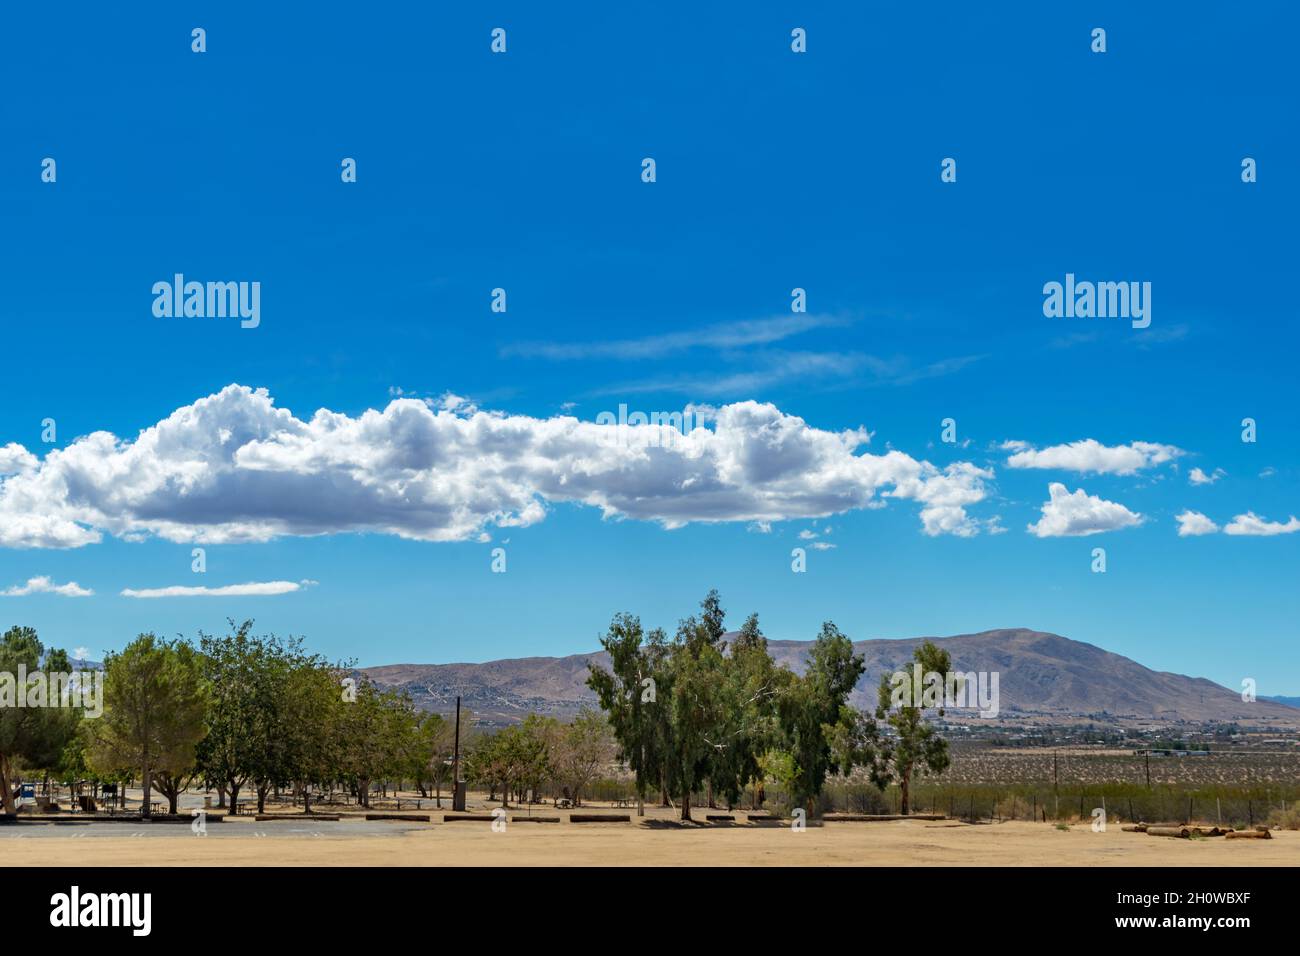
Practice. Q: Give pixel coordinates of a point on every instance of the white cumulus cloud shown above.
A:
(1252, 524)
(1193, 523)
(1070, 514)
(45, 585)
(1198, 477)
(233, 467)
(1090, 456)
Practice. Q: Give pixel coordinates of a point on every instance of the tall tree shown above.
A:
(154, 706)
(747, 693)
(810, 706)
(698, 710)
(373, 735)
(30, 736)
(914, 748)
(236, 670)
(630, 694)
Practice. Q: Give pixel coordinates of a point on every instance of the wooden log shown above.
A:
(479, 817)
(1181, 832)
(720, 817)
(1248, 835)
(1135, 828)
(409, 817)
(534, 819)
(600, 818)
(880, 817)
(297, 817)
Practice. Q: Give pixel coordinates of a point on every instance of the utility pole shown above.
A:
(458, 785)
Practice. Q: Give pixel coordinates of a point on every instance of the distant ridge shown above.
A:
(1288, 701)
(1040, 674)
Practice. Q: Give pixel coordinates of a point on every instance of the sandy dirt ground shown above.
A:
(898, 843)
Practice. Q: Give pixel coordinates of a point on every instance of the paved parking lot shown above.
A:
(279, 829)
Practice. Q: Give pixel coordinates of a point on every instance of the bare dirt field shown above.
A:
(898, 843)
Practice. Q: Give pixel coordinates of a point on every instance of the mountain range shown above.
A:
(1041, 676)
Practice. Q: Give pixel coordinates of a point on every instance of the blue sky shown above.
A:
(775, 170)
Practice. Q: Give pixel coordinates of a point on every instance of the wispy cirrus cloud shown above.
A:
(768, 369)
(742, 359)
(45, 585)
(1143, 339)
(745, 333)
(251, 589)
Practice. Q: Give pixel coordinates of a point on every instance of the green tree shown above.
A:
(311, 714)
(29, 736)
(435, 748)
(295, 701)
(698, 708)
(913, 748)
(808, 709)
(236, 672)
(629, 693)
(154, 706)
(513, 758)
(747, 693)
(373, 735)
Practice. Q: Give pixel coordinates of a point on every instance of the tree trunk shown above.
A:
(234, 796)
(439, 792)
(686, 803)
(221, 796)
(709, 793)
(903, 788)
(147, 788)
(6, 783)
